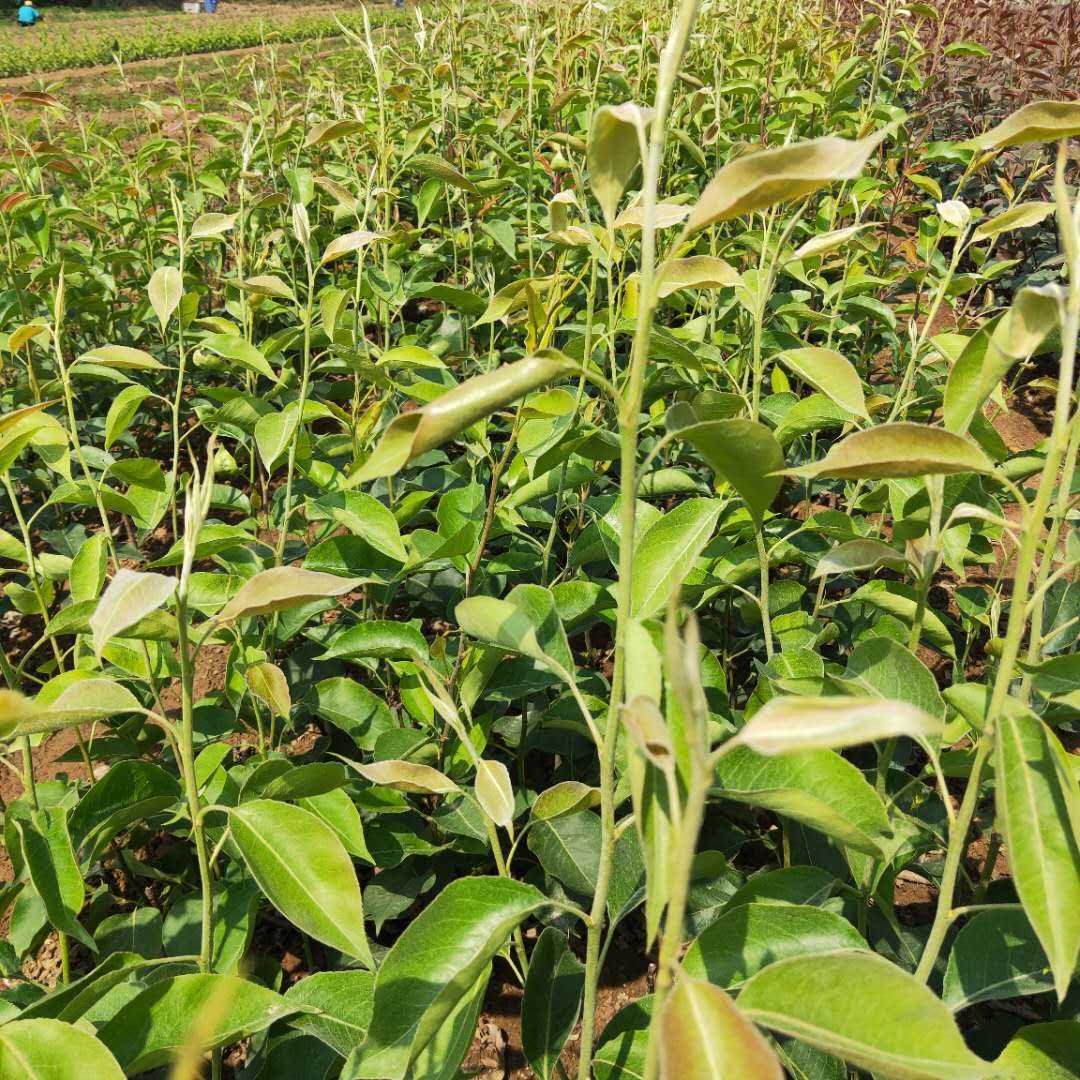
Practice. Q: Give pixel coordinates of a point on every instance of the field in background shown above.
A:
(73, 38)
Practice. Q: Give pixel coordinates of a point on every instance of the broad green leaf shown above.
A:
(824, 243)
(551, 1002)
(268, 683)
(616, 140)
(273, 433)
(1040, 1052)
(623, 1044)
(749, 937)
(758, 180)
(831, 373)
(130, 791)
(515, 627)
(884, 668)
(407, 776)
(87, 573)
(743, 453)
(149, 1030)
(703, 1036)
(348, 244)
(696, 272)
(137, 931)
(1040, 121)
(382, 638)
(784, 724)
(121, 356)
(81, 702)
(1021, 216)
(354, 709)
(862, 1008)
(898, 450)
(165, 290)
(1038, 812)
(53, 1050)
(817, 787)
(239, 351)
(366, 517)
(206, 226)
(898, 600)
(50, 858)
(413, 433)
(437, 958)
(854, 555)
(269, 284)
(667, 551)
(343, 1000)
(129, 597)
(495, 792)
(567, 797)
(283, 587)
(305, 872)
(996, 955)
(441, 169)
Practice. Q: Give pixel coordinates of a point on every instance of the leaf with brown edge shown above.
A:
(616, 138)
(1040, 121)
(283, 587)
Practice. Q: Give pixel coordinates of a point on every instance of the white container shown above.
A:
(191, 7)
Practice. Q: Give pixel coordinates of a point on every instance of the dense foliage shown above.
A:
(495, 501)
(84, 41)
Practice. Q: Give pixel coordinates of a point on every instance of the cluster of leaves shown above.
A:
(566, 489)
(83, 44)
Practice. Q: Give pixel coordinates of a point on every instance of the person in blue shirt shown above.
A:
(28, 14)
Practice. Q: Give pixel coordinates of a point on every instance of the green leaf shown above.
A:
(122, 356)
(165, 290)
(527, 623)
(817, 787)
(50, 858)
(758, 180)
(239, 351)
(407, 776)
(305, 872)
(122, 411)
(1041, 1052)
(437, 958)
(567, 797)
(281, 588)
(52, 1050)
(1038, 812)
(273, 433)
(865, 1010)
(1021, 216)
(749, 937)
(853, 555)
(343, 1000)
(667, 551)
(743, 453)
(151, 1029)
(80, 702)
(784, 724)
(348, 244)
(703, 1036)
(380, 638)
(885, 668)
(494, 792)
(616, 138)
(129, 597)
(696, 272)
(831, 373)
(354, 709)
(1041, 121)
(441, 169)
(551, 1002)
(411, 434)
(898, 450)
(996, 955)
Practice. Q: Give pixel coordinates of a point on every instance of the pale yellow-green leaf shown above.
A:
(616, 138)
(1040, 121)
(268, 683)
(164, 291)
(494, 792)
(283, 587)
(130, 596)
(831, 373)
(762, 179)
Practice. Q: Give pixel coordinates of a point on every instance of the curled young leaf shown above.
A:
(616, 138)
(283, 587)
(129, 597)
